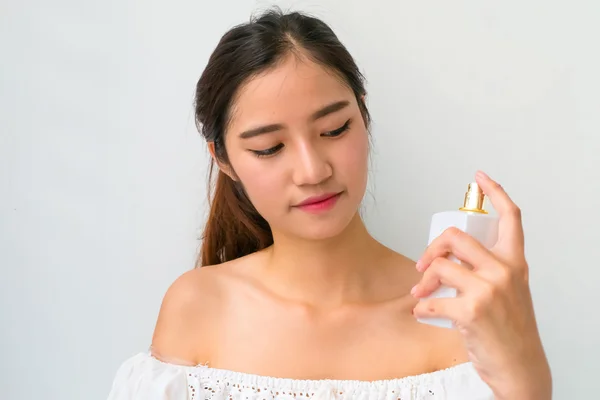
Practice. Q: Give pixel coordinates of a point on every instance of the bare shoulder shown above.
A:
(189, 316)
(446, 346)
(194, 309)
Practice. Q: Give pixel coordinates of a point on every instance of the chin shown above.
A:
(318, 226)
(326, 228)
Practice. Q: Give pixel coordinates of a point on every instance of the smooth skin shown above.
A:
(327, 300)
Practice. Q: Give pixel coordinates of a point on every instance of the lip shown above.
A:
(317, 199)
(319, 203)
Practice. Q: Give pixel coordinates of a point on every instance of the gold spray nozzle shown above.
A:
(474, 199)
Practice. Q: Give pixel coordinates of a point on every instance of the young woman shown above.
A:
(294, 297)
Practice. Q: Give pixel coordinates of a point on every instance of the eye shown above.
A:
(267, 152)
(338, 131)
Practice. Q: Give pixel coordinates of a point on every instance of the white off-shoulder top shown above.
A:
(144, 377)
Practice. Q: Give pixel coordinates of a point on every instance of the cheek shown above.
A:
(263, 184)
(352, 163)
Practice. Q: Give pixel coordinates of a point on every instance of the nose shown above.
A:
(311, 165)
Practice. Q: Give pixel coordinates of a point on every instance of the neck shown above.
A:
(324, 272)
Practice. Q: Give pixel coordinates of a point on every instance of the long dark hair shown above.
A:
(234, 228)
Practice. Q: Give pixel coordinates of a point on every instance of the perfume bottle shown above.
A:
(471, 218)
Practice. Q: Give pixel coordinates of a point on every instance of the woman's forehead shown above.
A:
(295, 88)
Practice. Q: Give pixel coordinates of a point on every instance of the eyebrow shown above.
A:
(329, 109)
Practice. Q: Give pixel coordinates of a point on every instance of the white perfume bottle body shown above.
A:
(481, 226)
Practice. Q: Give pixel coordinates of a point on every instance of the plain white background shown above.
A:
(102, 173)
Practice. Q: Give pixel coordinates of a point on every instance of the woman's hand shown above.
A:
(493, 309)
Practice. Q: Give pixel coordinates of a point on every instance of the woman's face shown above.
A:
(298, 144)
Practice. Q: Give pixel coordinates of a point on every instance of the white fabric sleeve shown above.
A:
(143, 377)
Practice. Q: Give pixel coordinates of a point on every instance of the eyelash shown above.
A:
(273, 150)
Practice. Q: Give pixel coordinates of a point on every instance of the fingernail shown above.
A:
(414, 290)
(419, 265)
(483, 175)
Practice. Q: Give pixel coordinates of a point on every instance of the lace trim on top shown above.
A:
(147, 377)
(247, 379)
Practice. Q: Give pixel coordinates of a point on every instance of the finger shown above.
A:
(455, 242)
(445, 272)
(448, 308)
(510, 226)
